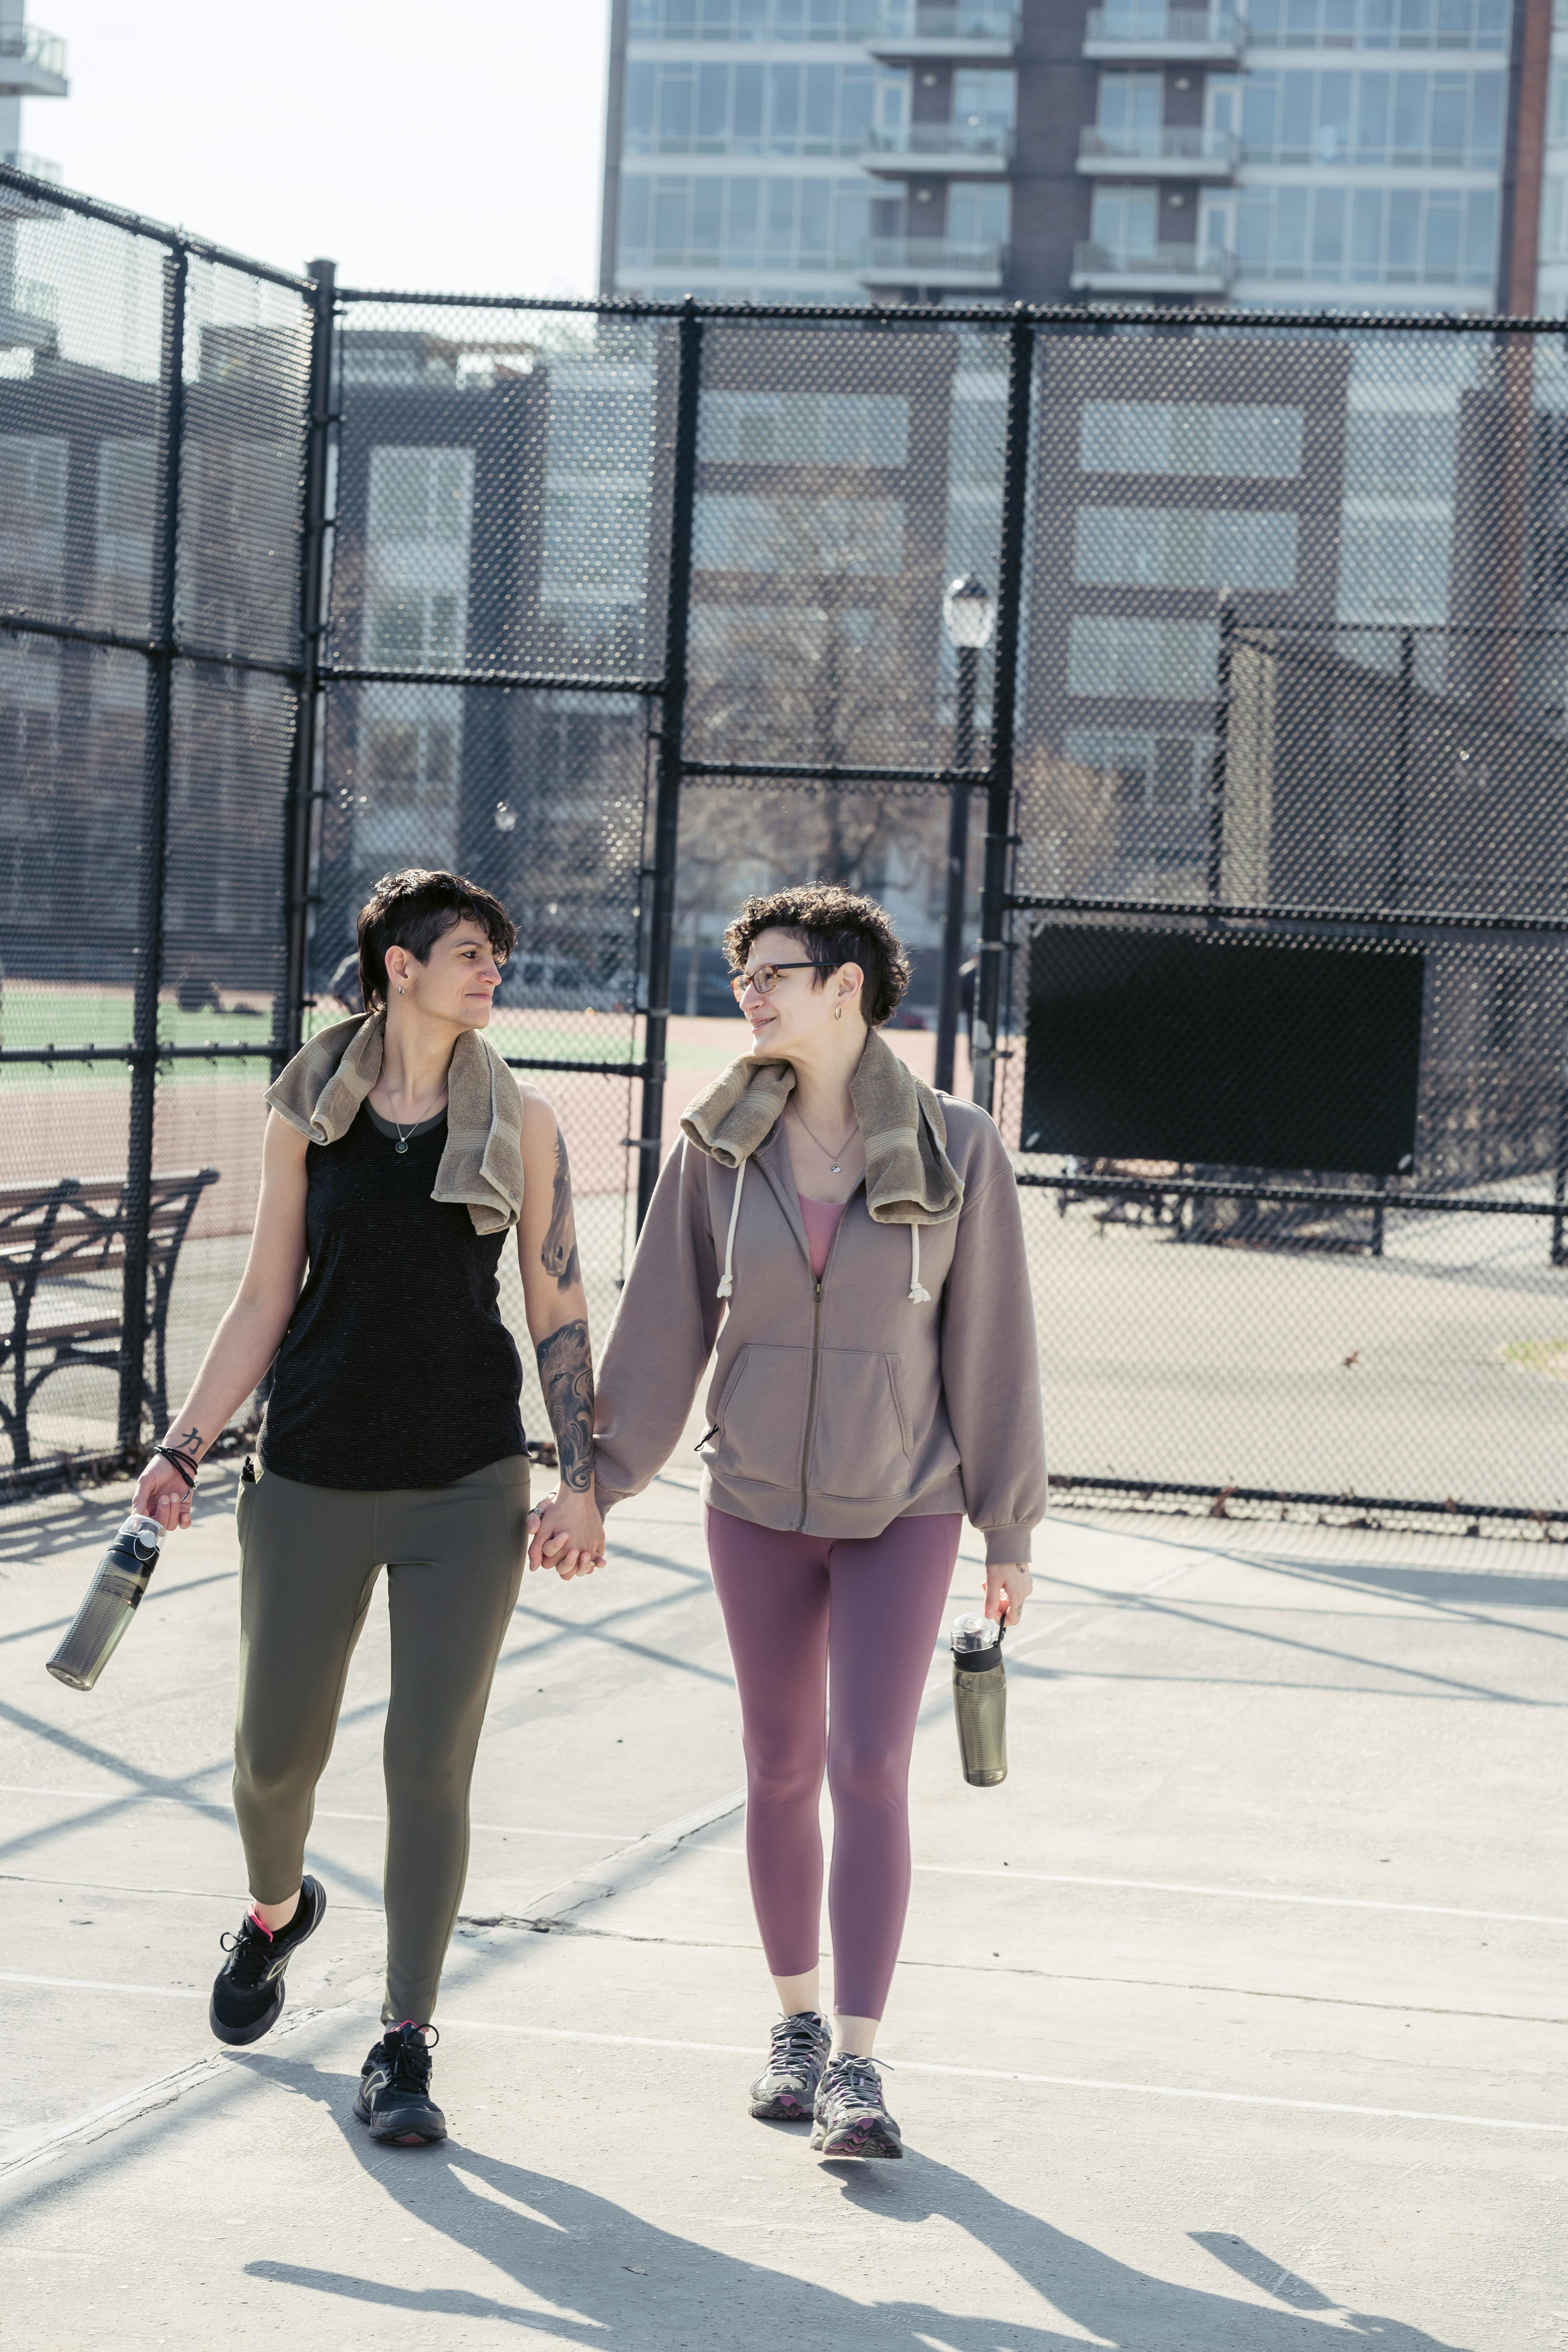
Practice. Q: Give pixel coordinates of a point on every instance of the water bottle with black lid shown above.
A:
(112, 1599)
(979, 1699)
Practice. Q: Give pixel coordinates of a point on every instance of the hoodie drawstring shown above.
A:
(919, 1295)
(727, 1279)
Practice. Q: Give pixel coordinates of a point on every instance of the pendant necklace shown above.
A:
(834, 1167)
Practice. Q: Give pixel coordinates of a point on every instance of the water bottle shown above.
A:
(980, 1700)
(112, 1599)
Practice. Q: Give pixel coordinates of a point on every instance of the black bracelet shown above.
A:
(182, 1463)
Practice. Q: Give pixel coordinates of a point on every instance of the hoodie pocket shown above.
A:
(860, 1445)
(761, 1416)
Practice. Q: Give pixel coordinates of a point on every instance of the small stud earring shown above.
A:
(838, 1012)
(402, 992)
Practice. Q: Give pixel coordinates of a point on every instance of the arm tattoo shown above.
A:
(559, 1254)
(189, 1439)
(566, 1376)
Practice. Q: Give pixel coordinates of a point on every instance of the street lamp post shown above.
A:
(968, 612)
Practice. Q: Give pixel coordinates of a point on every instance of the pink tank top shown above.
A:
(821, 1219)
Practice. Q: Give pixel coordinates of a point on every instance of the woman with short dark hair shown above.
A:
(399, 1154)
(851, 1243)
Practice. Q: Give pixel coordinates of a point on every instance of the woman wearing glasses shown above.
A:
(852, 1243)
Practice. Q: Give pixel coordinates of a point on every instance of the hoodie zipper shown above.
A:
(817, 1281)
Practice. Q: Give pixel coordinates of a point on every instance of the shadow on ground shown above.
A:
(595, 2269)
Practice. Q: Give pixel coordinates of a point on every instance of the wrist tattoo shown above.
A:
(189, 1440)
(559, 1254)
(567, 1377)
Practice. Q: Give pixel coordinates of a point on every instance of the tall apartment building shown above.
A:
(32, 65)
(1270, 153)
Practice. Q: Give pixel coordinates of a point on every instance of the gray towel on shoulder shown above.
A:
(910, 1180)
(321, 1091)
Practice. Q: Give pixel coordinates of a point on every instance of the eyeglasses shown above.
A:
(765, 978)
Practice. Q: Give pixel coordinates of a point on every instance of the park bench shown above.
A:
(70, 1232)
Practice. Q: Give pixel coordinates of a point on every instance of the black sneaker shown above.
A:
(394, 2087)
(783, 2091)
(247, 1994)
(850, 2118)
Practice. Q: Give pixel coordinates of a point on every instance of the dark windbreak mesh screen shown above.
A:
(136, 489)
(502, 520)
(1296, 638)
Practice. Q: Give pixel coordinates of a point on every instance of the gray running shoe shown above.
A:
(850, 2117)
(783, 2091)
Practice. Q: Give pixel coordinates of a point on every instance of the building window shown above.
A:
(1148, 437)
(1127, 659)
(1148, 771)
(1380, 236)
(1184, 547)
(1130, 101)
(717, 223)
(1392, 454)
(805, 429)
(1125, 219)
(815, 536)
(700, 109)
(1377, 24)
(984, 98)
(754, 20)
(979, 212)
(1447, 120)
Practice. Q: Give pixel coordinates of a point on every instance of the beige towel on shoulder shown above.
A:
(320, 1091)
(910, 1180)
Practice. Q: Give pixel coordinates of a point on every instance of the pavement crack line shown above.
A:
(114, 2115)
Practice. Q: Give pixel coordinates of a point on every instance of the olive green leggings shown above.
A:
(308, 1561)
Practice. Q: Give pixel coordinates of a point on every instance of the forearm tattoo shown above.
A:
(559, 1254)
(567, 1377)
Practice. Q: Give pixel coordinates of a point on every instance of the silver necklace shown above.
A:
(834, 1167)
(401, 1145)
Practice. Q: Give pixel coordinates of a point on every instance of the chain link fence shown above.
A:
(1242, 837)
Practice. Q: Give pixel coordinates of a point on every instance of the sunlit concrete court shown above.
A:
(1236, 2019)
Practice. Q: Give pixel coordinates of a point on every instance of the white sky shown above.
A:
(454, 147)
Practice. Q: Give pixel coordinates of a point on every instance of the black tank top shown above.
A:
(396, 1369)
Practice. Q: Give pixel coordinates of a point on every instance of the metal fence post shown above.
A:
(671, 737)
(1219, 764)
(1402, 762)
(289, 1006)
(149, 948)
(957, 868)
(1004, 708)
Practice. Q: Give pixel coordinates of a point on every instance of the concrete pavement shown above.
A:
(1236, 2019)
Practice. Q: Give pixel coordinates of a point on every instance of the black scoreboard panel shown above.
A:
(1223, 1051)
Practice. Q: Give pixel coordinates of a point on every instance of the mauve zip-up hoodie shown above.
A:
(835, 1406)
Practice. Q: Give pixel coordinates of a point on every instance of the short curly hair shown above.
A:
(835, 926)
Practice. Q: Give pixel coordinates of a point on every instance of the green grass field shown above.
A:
(34, 1017)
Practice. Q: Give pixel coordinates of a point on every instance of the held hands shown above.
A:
(567, 1534)
(1007, 1587)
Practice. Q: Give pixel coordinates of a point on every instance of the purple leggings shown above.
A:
(809, 1616)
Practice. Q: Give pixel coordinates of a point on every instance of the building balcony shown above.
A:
(1149, 29)
(911, 33)
(1152, 269)
(32, 63)
(943, 263)
(974, 151)
(1167, 154)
